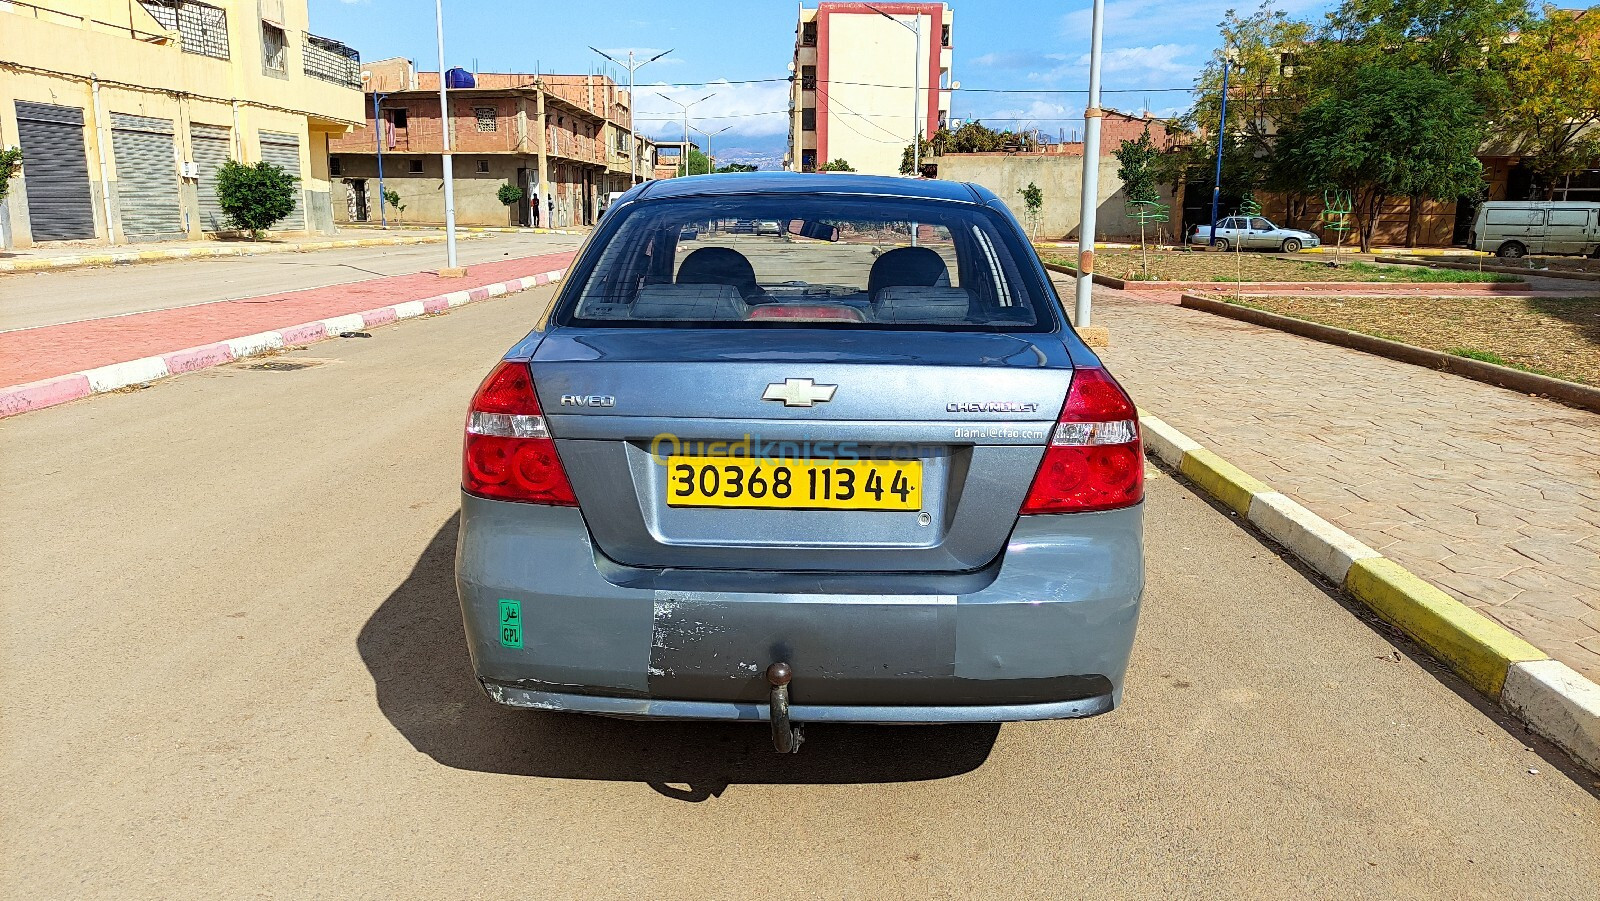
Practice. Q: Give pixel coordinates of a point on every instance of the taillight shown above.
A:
(509, 455)
(1094, 460)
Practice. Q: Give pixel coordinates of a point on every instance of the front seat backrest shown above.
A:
(720, 266)
(912, 267)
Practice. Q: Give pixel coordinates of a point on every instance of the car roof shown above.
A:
(809, 183)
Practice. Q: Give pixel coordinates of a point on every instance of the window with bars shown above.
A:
(485, 117)
(274, 50)
(808, 34)
(808, 119)
(808, 78)
(483, 167)
(330, 60)
(202, 28)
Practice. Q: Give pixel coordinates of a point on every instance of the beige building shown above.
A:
(124, 110)
(560, 140)
(854, 82)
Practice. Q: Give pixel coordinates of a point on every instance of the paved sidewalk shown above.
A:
(75, 255)
(1491, 495)
(31, 355)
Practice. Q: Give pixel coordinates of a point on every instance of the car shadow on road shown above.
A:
(414, 647)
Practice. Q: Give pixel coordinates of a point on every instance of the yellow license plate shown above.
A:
(794, 484)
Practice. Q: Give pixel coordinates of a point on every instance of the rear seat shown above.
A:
(904, 303)
(690, 302)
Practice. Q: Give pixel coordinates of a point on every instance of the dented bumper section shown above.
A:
(1045, 633)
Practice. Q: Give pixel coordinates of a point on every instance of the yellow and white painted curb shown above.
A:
(1554, 700)
(123, 257)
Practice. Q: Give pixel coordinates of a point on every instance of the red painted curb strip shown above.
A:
(45, 393)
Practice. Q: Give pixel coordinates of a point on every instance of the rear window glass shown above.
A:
(829, 261)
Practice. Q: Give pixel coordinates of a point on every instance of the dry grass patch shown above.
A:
(1552, 336)
(1203, 266)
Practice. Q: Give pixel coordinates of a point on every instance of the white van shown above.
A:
(1515, 228)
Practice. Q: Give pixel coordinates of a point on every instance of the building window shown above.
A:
(414, 166)
(944, 35)
(808, 161)
(485, 117)
(483, 167)
(274, 50)
(808, 119)
(334, 166)
(808, 78)
(808, 34)
(397, 118)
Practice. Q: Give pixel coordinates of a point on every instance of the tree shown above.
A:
(837, 166)
(9, 161)
(697, 163)
(969, 137)
(392, 198)
(1386, 132)
(737, 167)
(508, 194)
(1136, 168)
(1033, 202)
(1552, 95)
(255, 198)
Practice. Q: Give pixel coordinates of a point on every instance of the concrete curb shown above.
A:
(125, 257)
(471, 229)
(1551, 698)
(61, 389)
(1570, 393)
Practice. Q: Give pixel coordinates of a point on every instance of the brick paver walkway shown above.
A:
(1491, 495)
(28, 355)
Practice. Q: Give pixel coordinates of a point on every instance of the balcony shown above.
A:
(201, 27)
(332, 61)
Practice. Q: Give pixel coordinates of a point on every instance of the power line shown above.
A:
(906, 87)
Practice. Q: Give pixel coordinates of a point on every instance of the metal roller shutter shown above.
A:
(147, 176)
(213, 145)
(284, 149)
(55, 172)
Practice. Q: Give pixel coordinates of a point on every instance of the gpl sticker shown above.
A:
(510, 624)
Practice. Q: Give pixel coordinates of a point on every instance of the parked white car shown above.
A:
(1253, 233)
(1516, 228)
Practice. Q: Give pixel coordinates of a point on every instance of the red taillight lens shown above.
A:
(509, 455)
(1095, 460)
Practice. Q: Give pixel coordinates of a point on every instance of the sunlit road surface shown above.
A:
(234, 667)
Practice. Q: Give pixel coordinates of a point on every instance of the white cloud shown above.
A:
(750, 110)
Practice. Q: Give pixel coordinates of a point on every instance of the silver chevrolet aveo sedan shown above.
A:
(857, 468)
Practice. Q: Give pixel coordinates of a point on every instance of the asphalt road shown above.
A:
(234, 668)
(33, 299)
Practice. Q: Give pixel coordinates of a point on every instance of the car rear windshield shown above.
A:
(808, 260)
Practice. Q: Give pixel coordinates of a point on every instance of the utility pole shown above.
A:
(916, 86)
(683, 154)
(1091, 173)
(377, 138)
(1222, 123)
(631, 66)
(449, 163)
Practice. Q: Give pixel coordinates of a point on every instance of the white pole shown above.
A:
(449, 164)
(100, 148)
(916, 99)
(1091, 173)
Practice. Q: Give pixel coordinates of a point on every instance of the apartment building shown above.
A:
(562, 140)
(124, 110)
(857, 68)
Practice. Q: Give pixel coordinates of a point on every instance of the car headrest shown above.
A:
(908, 266)
(898, 303)
(704, 302)
(719, 266)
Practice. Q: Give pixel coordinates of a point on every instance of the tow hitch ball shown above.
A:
(786, 737)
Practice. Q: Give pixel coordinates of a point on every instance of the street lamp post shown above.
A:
(916, 86)
(1222, 122)
(683, 154)
(710, 162)
(1091, 174)
(377, 138)
(449, 163)
(631, 66)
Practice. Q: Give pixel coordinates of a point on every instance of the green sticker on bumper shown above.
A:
(511, 623)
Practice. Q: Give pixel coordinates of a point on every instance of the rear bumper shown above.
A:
(1045, 634)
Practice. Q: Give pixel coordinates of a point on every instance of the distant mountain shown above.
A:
(765, 157)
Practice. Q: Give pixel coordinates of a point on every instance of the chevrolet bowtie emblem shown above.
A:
(799, 392)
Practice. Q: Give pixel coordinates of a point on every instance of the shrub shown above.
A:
(837, 166)
(509, 194)
(9, 161)
(254, 198)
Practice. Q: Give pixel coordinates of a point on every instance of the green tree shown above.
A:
(1551, 113)
(1033, 202)
(737, 167)
(837, 166)
(9, 161)
(391, 197)
(970, 137)
(255, 197)
(1386, 132)
(508, 194)
(1136, 168)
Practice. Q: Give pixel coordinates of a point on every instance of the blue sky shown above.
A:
(1152, 47)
